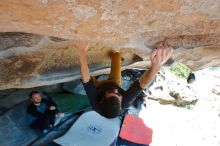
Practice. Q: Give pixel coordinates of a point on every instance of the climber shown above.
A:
(42, 112)
(106, 97)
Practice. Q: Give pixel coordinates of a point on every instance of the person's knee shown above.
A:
(37, 124)
(116, 56)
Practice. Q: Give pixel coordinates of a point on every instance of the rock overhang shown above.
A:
(36, 36)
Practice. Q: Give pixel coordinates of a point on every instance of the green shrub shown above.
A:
(180, 70)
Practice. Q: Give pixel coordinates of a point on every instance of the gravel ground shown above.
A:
(198, 126)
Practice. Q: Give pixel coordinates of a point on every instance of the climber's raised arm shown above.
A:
(82, 52)
(158, 57)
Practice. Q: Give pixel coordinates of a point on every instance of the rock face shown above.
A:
(36, 36)
(38, 60)
(113, 21)
(170, 89)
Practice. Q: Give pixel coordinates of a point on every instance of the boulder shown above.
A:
(36, 36)
(116, 23)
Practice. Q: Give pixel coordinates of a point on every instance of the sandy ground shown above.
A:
(175, 126)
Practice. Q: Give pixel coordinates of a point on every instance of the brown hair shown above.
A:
(111, 107)
(32, 93)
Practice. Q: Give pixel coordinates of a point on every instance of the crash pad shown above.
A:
(91, 129)
(68, 102)
(135, 130)
(14, 129)
(121, 142)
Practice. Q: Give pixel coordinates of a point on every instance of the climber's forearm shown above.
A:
(148, 77)
(84, 69)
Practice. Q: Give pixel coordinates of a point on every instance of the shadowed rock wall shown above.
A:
(29, 60)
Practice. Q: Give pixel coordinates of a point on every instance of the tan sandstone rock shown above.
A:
(38, 50)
